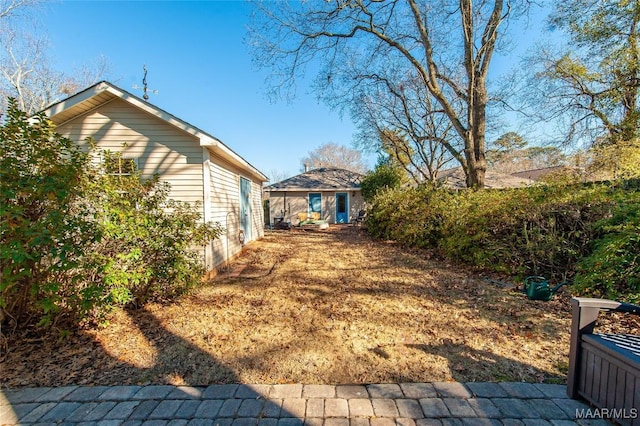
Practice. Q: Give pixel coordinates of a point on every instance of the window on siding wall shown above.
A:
(315, 203)
(119, 165)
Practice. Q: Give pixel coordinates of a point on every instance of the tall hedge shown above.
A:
(612, 269)
(43, 228)
(577, 232)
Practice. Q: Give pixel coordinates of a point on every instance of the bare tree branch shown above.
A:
(25, 73)
(9, 8)
(335, 156)
(344, 41)
(593, 87)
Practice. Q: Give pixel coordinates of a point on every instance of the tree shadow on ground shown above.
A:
(314, 322)
(359, 305)
(191, 371)
(470, 364)
(186, 362)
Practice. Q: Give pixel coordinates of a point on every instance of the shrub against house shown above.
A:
(89, 230)
(198, 166)
(79, 238)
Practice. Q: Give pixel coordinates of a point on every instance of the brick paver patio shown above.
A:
(406, 404)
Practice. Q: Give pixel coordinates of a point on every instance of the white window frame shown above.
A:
(136, 164)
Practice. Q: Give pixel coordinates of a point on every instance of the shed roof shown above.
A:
(322, 179)
(103, 92)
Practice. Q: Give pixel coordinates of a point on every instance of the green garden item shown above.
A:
(538, 288)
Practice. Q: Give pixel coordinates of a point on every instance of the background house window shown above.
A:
(315, 203)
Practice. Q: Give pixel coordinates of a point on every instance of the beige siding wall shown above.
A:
(225, 209)
(160, 148)
(180, 160)
(356, 203)
(289, 203)
(298, 202)
(329, 206)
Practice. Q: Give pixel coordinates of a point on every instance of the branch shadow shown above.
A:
(187, 362)
(471, 364)
(194, 375)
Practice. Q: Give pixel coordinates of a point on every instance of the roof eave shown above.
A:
(205, 139)
(311, 189)
(76, 99)
(231, 157)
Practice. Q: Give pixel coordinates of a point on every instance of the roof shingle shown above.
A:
(322, 179)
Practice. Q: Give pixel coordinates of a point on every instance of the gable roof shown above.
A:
(104, 92)
(322, 179)
(455, 179)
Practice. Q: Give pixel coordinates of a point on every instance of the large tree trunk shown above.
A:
(476, 62)
(475, 178)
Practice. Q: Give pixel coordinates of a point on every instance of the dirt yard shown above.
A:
(316, 307)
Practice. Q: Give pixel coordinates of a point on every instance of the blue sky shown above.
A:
(199, 64)
(202, 70)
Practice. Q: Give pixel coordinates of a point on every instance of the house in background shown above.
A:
(332, 193)
(455, 179)
(198, 166)
(547, 172)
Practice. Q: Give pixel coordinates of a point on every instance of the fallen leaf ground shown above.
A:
(316, 307)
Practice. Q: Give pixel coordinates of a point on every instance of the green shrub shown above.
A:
(612, 270)
(551, 230)
(529, 231)
(410, 216)
(44, 230)
(148, 245)
(384, 176)
(77, 241)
